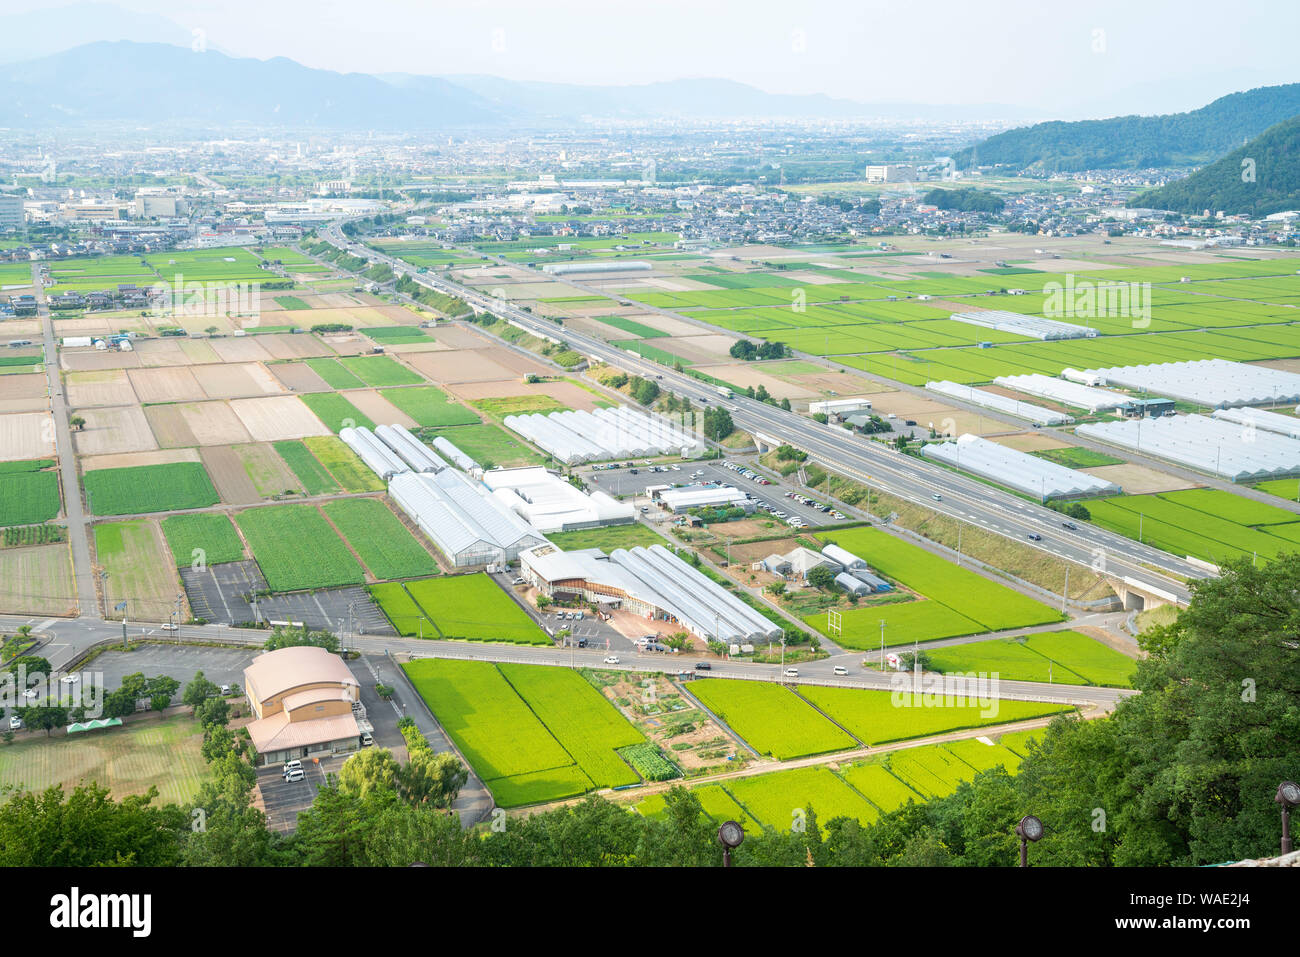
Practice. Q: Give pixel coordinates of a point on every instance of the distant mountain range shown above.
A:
(1261, 177)
(164, 84)
(1137, 142)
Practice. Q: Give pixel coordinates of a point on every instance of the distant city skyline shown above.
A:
(1101, 58)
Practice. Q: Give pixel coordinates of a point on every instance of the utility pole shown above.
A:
(882, 646)
(1065, 592)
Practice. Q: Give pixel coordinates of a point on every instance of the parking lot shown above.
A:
(219, 594)
(622, 482)
(282, 800)
(221, 666)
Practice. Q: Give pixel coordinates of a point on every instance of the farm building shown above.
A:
(839, 407)
(550, 504)
(843, 557)
(852, 584)
(302, 697)
(1022, 325)
(803, 560)
(599, 265)
(469, 524)
(1017, 470)
(647, 581)
(702, 496)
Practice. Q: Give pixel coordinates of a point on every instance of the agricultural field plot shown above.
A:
(26, 435)
(209, 538)
(474, 608)
(101, 387)
(288, 346)
(771, 718)
(505, 742)
(585, 723)
(972, 597)
(1009, 658)
(1097, 663)
(781, 799)
(463, 365)
(715, 801)
(407, 618)
(905, 623)
(233, 381)
(344, 465)
(638, 329)
(299, 377)
(148, 488)
(334, 374)
(37, 580)
(127, 760)
(108, 431)
(982, 756)
(378, 536)
(196, 423)
(236, 350)
(140, 569)
(29, 492)
(932, 770)
(1205, 523)
(166, 384)
(429, 406)
(498, 407)
(380, 371)
(336, 412)
(489, 445)
(875, 783)
(374, 406)
(244, 474)
(297, 549)
(874, 717)
(274, 418)
(314, 478)
(21, 392)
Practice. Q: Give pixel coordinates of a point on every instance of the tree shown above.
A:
(33, 666)
(77, 422)
(199, 689)
(88, 828)
(212, 711)
(678, 641)
(431, 778)
(821, 577)
(369, 773)
(43, 717)
(290, 637)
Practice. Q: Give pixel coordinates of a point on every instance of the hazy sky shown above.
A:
(1042, 53)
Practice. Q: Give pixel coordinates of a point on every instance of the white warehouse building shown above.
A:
(550, 504)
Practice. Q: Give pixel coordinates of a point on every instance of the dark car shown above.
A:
(1034, 537)
(1070, 525)
(703, 666)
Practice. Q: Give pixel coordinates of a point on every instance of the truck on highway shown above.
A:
(724, 392)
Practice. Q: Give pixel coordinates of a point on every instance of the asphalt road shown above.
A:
(876, 465)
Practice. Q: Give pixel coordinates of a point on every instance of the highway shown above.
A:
(876, 465)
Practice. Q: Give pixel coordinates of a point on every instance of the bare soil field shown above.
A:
(839, 383)
(273, 418)
(459, 337)
(26, 435)
(232, 468)
(299, 377)
(123, 429)
(103, 387)
(402, 348)
(166, 384)
(37, 580)
(237, 381)
(200, 351)
(89, 359)
(1030, 442)
(88, 326)
(24, 328)
(24, 393)
(467, 365)
(376, 407)
(575, 397)
(284, 345)
(162, 352)
(214, 423)
(699, 348)
(169, 426)
(1138, 479)
(125, 460)
(520, 364)
(242, 349)
(745, 375)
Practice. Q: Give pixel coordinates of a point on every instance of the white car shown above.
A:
(170, 627)
(70, 679)
(792, 672)
(15, 723)
(840, 670)
(29, 693)
(611, 659)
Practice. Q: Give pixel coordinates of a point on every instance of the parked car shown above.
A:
(15, 723)
(297, 774)
(225, 690)
(367, 739)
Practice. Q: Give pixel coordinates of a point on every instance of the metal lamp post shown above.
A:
(1029, 829)
(731, 835)
(1288, 795)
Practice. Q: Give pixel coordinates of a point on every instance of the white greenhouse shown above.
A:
(999, 403)
(1022, 325)
(380, 459)
(1063, 391)
(1209, 445)
(1017, 470)
(468, 523)
(1217, 383)
(410, 449)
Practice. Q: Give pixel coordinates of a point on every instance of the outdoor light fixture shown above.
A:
(1029, 829)
(730, 836)
(1288, 795)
